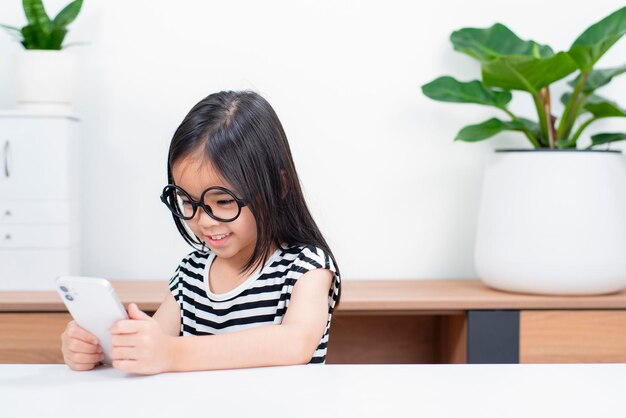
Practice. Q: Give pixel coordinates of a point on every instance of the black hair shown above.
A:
(241, 136)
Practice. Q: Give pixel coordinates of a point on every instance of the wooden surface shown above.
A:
(377, 322)
(359, 296)
(391, 339)
(573, 337)
(453, 339)
(148, 295)
(32, 338)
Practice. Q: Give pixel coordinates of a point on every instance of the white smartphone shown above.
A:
(94, 305)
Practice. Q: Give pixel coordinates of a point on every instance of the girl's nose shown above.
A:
(204, 219)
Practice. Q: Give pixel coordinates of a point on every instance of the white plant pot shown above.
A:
(44, 78)
(553, 222)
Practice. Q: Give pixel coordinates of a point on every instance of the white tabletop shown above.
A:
(450, 391)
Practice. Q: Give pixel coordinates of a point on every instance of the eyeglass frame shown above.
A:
(200, 203)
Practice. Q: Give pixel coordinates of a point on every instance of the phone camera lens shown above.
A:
(69, 297)
(63, 289)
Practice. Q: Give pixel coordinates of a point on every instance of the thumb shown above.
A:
(135, 313)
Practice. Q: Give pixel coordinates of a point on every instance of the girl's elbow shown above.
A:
(300, 344)
(300, 357)
(302, 351)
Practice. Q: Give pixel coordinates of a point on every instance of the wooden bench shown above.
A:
(387, 321)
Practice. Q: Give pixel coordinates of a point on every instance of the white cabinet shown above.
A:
(39, 183)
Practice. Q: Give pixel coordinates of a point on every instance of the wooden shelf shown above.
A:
(360, 296)
(384, 321)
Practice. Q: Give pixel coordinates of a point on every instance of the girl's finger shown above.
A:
(80, 367)
(123, 353)
(78, 346)
(126, 326)
(74, 331)
(81, 358)
(129, 366)
(123, 340)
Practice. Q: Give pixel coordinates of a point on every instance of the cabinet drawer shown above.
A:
(37, 236)
(36, 212)
(36, 269)
(38, 158)
(32, 337)
(584, 336)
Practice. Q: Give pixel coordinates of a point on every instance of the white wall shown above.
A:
(394, 195)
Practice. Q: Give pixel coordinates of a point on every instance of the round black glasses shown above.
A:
(218, 202)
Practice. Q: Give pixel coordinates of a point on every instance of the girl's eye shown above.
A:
(225, 202)
(186, 203)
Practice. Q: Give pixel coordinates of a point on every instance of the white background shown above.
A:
(391, 191)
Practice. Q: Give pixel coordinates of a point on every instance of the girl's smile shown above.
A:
(217, 240)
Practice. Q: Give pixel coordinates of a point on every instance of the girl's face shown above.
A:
(233, 241)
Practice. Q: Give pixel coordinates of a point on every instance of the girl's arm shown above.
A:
(144, 347)
(168, 316)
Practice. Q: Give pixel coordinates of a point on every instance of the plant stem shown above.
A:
(569, 117)
(582, 128)
(508, 112)
(541, 111)
(528, 134)
(532, 139)
(545, 95)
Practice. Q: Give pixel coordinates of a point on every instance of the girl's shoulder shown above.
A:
(293, 257)
(192, 264)
(196, 258)
(308, 256)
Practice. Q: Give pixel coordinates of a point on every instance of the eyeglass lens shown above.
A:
(221, 203)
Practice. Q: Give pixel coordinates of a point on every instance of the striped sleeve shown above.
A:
(173, 282)
(311, 258)
(175, 285)
(188, 268)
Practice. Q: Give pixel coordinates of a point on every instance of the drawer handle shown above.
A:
(8, 213)
(7, 149)
(7, 237)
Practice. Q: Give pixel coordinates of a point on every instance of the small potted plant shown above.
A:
(44, 69)
(552, 218)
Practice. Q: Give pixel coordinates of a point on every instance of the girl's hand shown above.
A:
(139, 344)
(81, 350)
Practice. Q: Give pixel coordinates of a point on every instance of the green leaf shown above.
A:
(526, 73)
(491, 127)
(495, 41)
(36, 14)
(598, 78)
(34, 37)
(68, 14)
(55, 40)
(598, 106)
(447, 89)
(565, 98)
(9, 28)
(16, 33)
(591, 45)
(603, 108)
(71, 44)
(600, 139)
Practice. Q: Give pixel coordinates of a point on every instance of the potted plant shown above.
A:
(552, 218)
(44, 69)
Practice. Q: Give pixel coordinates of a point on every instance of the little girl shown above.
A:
(261, 287)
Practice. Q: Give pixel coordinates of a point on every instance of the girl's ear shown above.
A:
(284, 183)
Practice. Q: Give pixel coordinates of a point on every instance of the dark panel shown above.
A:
(493, 337)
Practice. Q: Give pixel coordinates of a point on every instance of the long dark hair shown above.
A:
(242, 137)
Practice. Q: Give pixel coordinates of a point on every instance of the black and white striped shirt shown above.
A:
(261, 300)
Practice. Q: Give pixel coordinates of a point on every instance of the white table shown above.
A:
(499, 391)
